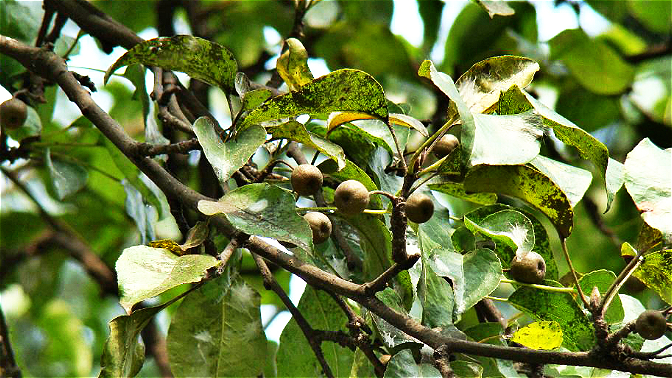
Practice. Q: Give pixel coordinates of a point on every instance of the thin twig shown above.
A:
(380, 282)
(271, 284)
(619, 282)
(8, 366)
(571, 269)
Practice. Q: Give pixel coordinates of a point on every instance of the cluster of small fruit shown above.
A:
(13, 113)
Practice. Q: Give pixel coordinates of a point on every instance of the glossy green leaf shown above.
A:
(292, 65)
(516, 100)
(436, 298)
(342, 90)
(482, 84)
(648, 179)
(507, 226)
(504, 252)
(559, 307)
(295, 357)
(473, 275)
(595, 65)
(539, 335)
(456, 189)
(496, 8)
(296, 131)
(656, 273)
(602, 279)
(211, 323)
(145, 272)
(145, 217)
(527, 184)
(403, 365)
(199, 58)
(655, 15)
(264, 210)
(573, 181)
(66, 177)
(227, 157)
(124, 354)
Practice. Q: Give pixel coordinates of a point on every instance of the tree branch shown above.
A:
(8, 366)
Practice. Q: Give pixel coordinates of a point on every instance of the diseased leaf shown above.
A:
(573, 181)
(481, 85)
(199, 58)
(559, 307)
(296, 131)
(539, 335)
(211, 323)
(66, 177)
(145, 272)
(656, 273)
(527, 184)
(227, 157)
(516, 100)
(456, 189)
(295, 357)
(648, 179)
(292, 65)
(342, 90)
(264, 210)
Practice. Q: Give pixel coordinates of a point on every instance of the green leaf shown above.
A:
(507, 226)
(560, 307)
(136, 74)
(602, 279)
(292, 65)
(66, 342)
(539, 335)
(436, 298)
(295, 357)
(572, 181)
(595, 65)
(456, 189)
(66, 177)
(481, 85)
(196, 235)
(517, 100)
(217, 332)
(648, 179)
(296, 131)
(227, 157)
(199, 58)
(145, 272)
(264, 210)
(527, 184)
(499, 8)
(656, 273)
(656, 15)
(491, 333)
(145, 217)
(123, 354)
(403, 365)
(473, 275)
(342, 90)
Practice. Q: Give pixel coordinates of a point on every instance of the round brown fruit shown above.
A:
(651, 324)
(351, 197)
(529, 268)
(306, 179)
(13, 113)
(445, 145)
(320, 225)
(419, 208)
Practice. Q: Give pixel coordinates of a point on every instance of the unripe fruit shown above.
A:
(529, 268)
(13, 113)
(320, 225)
(419, 208)
(651, 324)
(351, 197)
(445, 145)
(306, 179)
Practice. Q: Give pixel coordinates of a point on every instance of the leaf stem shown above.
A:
(571, 269)
(620, 281)
(496, 298)
(540, 287)
(446, 126)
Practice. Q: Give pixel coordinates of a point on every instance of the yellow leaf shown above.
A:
(539, 335)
